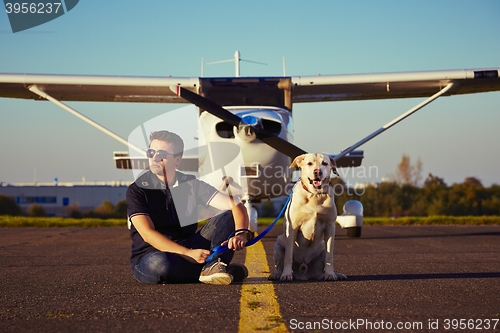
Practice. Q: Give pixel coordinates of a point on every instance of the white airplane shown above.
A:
(245, 123)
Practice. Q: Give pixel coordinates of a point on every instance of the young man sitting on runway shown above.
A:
(166, 248)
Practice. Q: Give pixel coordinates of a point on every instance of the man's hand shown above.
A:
(198, 255)
(237, 242)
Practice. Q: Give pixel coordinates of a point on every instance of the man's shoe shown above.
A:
(238, 271)
(216, 274)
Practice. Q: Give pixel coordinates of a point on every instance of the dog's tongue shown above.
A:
(317, 183)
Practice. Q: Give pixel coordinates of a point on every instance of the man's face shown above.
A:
(171, 162)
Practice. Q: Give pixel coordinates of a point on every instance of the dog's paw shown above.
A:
(274, 276)
(287, 275)
(335, 277)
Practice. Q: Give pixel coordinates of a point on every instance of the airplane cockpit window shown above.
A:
(224, 130)
(271, 126)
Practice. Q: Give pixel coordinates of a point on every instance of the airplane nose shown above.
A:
(246, 130)
(246, 133)
(250, 120)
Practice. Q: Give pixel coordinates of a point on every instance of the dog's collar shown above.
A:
(322, 191)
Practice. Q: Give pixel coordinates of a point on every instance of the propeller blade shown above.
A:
(206, 104)
(280, 144)
(270, 139)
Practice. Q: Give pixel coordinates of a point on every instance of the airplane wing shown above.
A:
(392, 85)
(303, 88)
(93, 88)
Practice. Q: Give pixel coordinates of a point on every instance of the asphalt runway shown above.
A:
(405, 278)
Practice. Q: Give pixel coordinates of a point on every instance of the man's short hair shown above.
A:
(170, 137)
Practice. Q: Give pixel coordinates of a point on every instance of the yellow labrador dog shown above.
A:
(305, 250)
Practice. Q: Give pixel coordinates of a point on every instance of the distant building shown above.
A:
(361, 186)
(57, 197)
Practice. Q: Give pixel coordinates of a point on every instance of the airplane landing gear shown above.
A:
(251, 211)
(352, 218)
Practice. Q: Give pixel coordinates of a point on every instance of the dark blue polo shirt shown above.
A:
(174, 211)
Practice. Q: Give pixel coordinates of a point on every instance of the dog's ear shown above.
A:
(334, 166)
(298, 161)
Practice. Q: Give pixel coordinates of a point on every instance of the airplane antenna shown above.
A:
(284, 67)
(236, 59)
(202, 67)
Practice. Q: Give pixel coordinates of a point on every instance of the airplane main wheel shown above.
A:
(354, 232)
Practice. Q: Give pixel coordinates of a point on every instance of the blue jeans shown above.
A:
(164, 267)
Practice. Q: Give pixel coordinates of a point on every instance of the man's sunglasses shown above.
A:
(163, 154)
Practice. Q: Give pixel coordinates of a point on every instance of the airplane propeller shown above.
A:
(260, 133)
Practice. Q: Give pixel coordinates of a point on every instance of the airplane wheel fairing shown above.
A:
(354, 232)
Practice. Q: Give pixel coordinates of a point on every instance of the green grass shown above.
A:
(44, 222)
(432, 220)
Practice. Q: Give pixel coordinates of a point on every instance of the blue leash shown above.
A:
(222, 248)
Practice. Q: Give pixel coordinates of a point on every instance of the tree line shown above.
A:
(401, 196)
(390, 199)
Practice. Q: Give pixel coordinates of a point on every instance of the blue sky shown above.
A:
(455, 137)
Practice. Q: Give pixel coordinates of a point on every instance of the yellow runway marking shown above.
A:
(259, 308)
